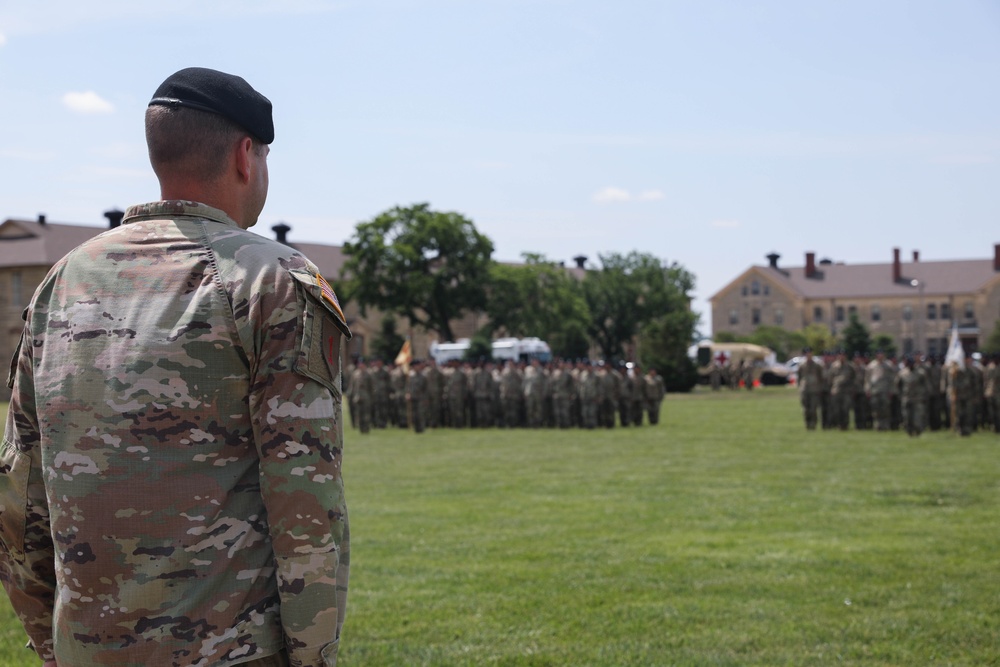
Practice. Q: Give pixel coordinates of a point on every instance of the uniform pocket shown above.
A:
(14, 469)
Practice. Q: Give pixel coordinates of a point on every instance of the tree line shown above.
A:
(432, 267)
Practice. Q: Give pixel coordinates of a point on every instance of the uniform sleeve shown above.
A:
(27, 559)
(295, 403)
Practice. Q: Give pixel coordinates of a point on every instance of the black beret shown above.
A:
(217, 92)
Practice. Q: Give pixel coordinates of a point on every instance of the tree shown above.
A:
(663, 346)
(819, 338)
(786, 344)
(538, 298)
(480, 348)
(855, 337)
(628, 292)
(886, 343)
(388, 342)
(992, 343)
(426, 265)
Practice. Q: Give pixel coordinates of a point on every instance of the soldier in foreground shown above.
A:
(170, 476)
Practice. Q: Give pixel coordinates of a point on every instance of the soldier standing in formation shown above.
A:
(913, 390)
(811, 379)
(879, 390)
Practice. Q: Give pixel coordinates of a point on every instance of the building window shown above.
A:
(876, 313)
(852, 311)
(970, 311)
(818, 313)
(945, 311)
(839, 313)
(755, 316)
(767, 290)
(907, 346)
(931, 311)
(779, 316)
(907, 312)
(755, 287)
(745, 290)
(734, 316)
(932, 346)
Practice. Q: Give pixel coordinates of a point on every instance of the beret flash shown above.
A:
(217, 92)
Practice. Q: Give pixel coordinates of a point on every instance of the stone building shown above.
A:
(915, 302)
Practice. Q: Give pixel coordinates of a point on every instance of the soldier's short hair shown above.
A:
(196, 141)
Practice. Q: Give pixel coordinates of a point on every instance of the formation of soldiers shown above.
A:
(914, 394)
(559, 394)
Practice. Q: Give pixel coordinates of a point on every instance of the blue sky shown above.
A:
(709, 133)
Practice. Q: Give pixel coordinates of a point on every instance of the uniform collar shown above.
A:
(171, 208)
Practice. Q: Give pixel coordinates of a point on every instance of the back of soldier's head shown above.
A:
(189, 140)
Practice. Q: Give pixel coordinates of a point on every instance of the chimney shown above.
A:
(114, 217)
(580, 261)
(810, 264)
(281, 232)
(773, 259)
(996, 257)
(41, 218)
(897, 270)
(916, 256)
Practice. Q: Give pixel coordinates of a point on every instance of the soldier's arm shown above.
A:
(27, 561)
(296, 405)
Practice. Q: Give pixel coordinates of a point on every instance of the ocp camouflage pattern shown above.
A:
(170, 482)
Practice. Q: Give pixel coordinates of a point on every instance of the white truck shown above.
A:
(515, 349)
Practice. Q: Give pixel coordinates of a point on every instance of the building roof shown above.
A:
(40, 243)
(43, 243)
(859, 281)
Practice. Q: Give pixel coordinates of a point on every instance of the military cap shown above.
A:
(217, 92)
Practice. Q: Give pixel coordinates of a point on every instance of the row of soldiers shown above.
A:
(916, 394)
(560, 394)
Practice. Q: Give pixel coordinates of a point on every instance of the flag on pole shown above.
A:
(405, 356)
(956, 354)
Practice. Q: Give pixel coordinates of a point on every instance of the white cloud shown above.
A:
(651, 195)
(87, 102)
(611, 194)
(726, 224)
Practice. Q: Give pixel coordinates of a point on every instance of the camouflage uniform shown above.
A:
(913, 389)
(654, 391)
(534, 395)
(963, 387)
(511, 395)
(456, 396)
(176, 423)
(624, 397)
(563, 392)
(811, 379)
(590, 397)
(482, 391)
(362, 391)
(879, 387)
(418, 398)
(398, 377)
(381, 399)
(435, 392)
(609, 397)
(638, 394)
(841, 376)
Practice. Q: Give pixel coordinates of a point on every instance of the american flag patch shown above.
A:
(329, 295)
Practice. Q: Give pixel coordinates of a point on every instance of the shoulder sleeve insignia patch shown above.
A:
(329, 296)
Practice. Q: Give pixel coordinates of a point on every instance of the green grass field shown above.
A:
(727, 535)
